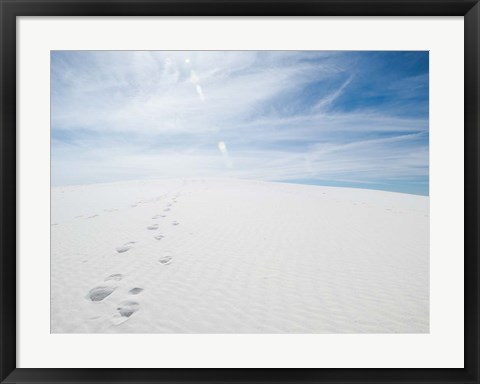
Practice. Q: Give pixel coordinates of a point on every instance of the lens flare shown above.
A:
(223, 150)
(199, 89)
(194, 77)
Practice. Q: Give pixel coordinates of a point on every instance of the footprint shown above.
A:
(91, 217)
(156, 217)
(166, 210)
(165, 260)
(100, 293)
(163, 215)
(160, 236)
(153, 227)
(125, 247)
(175, 222)
(135, 291)
(115, 276)
(127, 308)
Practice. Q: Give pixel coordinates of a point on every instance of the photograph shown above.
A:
(239, 192)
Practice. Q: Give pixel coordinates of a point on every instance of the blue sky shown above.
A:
(352, 119)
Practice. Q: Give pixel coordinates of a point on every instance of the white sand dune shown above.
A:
(235, 256)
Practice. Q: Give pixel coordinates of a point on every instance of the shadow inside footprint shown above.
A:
(100, 293)
(160, 236)
(115, 277)
(175, 222)
(152, 227)
(167, 259)
(128, 308)
(135, 291)
(125, 247)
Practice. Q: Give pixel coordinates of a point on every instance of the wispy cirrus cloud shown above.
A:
(318, 117)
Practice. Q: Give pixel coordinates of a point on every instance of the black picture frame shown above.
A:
(9, 10)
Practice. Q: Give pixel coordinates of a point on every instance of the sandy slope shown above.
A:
(238, 257)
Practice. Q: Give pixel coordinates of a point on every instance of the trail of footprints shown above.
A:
(126, 308)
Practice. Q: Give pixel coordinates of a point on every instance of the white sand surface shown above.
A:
(236, 256)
